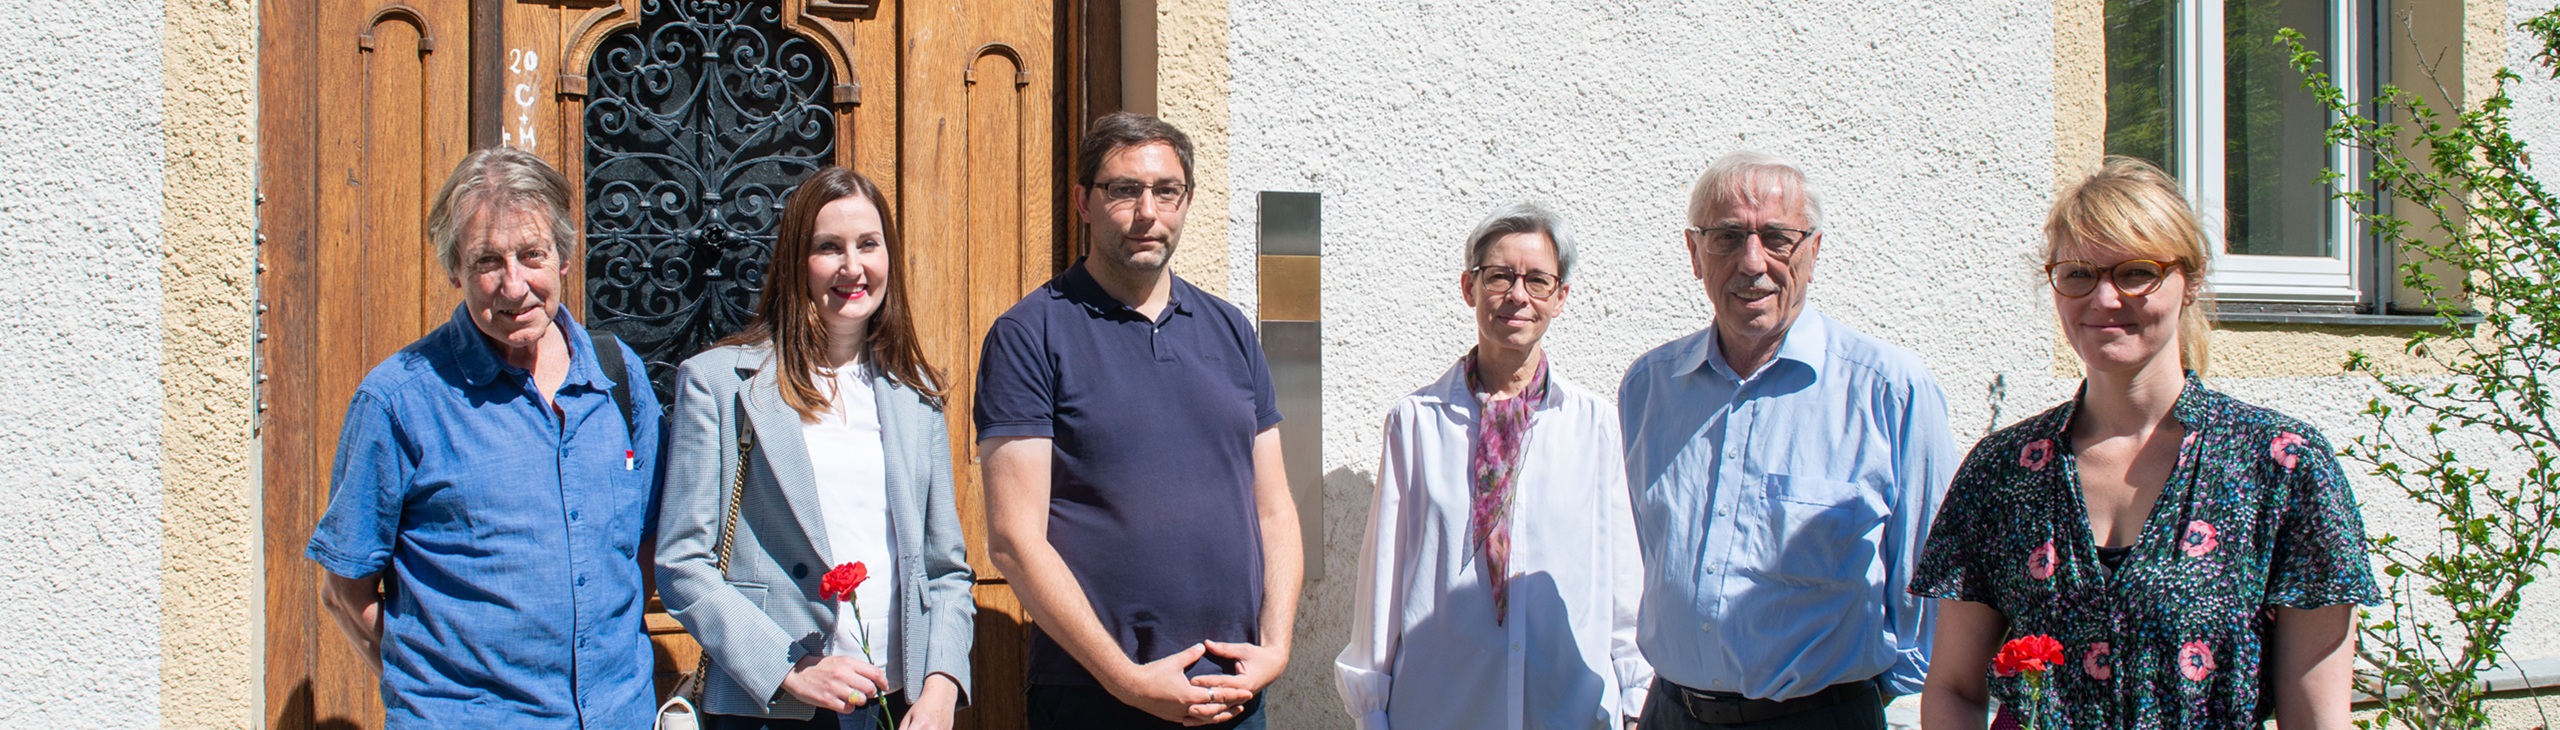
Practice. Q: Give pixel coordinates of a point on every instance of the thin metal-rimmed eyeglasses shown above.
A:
(1498, 279)
(1779, 241)
(2131, 277)
(1167, 194)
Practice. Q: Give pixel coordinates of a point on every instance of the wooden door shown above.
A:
(979, 174)
(363, 117)
(957, 109)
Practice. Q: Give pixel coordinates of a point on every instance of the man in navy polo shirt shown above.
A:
(1135, 499)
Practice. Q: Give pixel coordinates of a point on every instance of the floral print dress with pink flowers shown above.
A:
(2256, 516)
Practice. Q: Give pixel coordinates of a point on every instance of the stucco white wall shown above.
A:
(1929, 129)
(80, 183)
(2537, 97)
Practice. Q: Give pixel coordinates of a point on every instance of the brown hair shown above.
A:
(2128, 206)
(787, 318)
(1119, 130)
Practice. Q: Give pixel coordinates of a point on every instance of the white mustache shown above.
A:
(1758, 283)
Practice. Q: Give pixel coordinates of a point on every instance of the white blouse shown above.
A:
(846, 457)
(1425, 651)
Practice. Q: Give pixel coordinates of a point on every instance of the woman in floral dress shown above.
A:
(2197, 557)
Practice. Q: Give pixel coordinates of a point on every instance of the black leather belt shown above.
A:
(1727, 708)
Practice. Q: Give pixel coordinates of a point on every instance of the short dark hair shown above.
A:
(1118, 130)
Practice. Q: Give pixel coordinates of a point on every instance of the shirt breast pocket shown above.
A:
(1823, 530)
(629, 495)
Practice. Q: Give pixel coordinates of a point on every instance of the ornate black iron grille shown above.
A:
(697, 123)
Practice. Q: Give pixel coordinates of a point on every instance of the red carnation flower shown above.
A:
(2034, 654)
(839, 583)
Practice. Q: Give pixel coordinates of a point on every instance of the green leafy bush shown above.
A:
(2480, 240)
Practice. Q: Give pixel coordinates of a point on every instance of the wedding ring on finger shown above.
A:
(857, 698)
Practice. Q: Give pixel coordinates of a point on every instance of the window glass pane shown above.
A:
(2142, 102)
(2274, 146)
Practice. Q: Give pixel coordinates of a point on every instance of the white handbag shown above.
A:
(678, 712)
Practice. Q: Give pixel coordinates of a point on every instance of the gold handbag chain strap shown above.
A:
(728, 539)
(737, 493)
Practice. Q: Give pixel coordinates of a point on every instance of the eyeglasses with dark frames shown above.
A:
(1498, 280)
(1166, 194)
(1778, 241)
(2132, 277)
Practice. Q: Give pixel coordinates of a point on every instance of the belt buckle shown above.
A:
(1713, 710)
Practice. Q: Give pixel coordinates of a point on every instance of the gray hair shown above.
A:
(1523, 217)
(499, 178)
(1733, 175)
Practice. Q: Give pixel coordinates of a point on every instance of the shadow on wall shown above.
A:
(1305, 696)
(998, 703)
(298, 709)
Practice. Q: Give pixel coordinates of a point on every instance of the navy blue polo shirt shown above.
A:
(1151, 473)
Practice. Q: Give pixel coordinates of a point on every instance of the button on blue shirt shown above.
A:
(506, 537)
(1780, 513)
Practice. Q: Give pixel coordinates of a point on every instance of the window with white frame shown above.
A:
(2201, 88)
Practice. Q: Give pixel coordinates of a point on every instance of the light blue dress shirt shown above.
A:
(1780, 513)
(506, 534)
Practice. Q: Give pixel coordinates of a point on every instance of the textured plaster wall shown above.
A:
(81, 157)
(2537, 97)
(2079, 88)
(1937, 135)
(209, 616)
(1191, 92)
(1929, 128)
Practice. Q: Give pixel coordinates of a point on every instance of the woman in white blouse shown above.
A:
(828, 397)
(1499, 581)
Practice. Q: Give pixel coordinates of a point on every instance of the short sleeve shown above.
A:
(2320, 555)
(1017, 384)
(1266, 403)
(1951, 561)
(367, 487)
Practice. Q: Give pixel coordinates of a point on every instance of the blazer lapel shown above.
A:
(778, 436)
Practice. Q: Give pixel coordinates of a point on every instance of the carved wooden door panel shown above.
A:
(980, 181)
(364, 115)
(681, 124)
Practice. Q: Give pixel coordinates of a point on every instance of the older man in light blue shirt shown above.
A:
(1784, 470)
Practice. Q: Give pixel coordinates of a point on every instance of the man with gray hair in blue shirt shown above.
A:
(495, 483)
(1784, 470)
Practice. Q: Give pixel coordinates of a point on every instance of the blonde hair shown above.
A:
(2131, 207)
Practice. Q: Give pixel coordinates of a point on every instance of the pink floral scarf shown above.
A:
(1501, 435)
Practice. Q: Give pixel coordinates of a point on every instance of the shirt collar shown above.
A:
(1807, 342)
(1451, 389)
(481, 363)
(1077, 285)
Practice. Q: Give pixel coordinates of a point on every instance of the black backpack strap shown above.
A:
(609, 354)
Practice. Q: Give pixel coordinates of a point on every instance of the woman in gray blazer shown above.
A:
(847, 460)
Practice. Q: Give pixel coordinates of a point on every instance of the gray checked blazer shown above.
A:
(766, 613)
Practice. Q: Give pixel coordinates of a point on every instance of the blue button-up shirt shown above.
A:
(506, 536)
(1780, 512)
